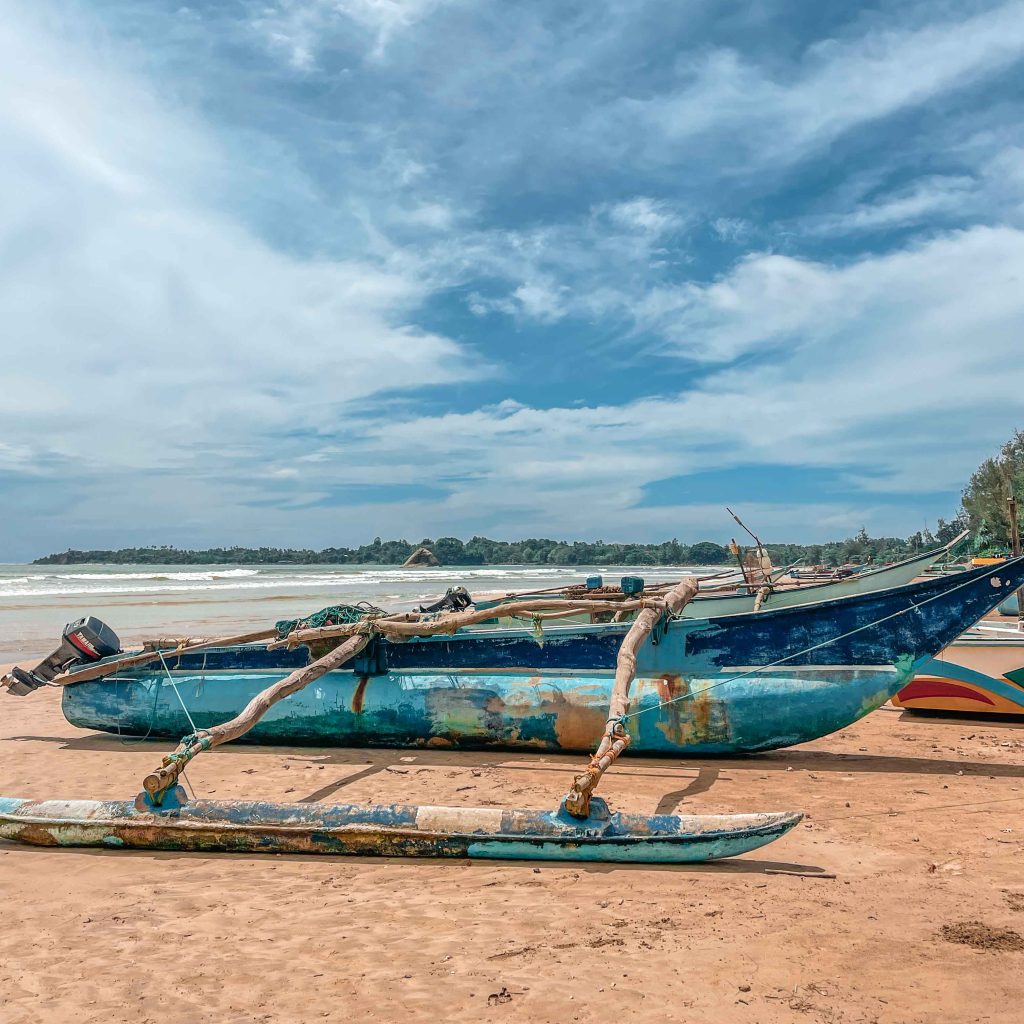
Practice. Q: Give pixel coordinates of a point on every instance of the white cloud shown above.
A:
(141, 325)
(930, 291)
(731, 229)
(926, 200)
(747, 116)
(644, 214)
(907, 363)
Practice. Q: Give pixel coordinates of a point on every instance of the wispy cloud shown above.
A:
(296, 28)
(837, 85)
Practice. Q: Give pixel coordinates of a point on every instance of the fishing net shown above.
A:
(333, 615)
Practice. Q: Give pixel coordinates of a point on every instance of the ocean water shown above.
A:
(142, 601)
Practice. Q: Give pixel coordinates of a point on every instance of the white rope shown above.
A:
(825, 643)
(174, 686)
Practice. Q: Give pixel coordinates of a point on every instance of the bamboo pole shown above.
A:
(615, 738)
(762, 555)
(157, 782)
(412, 624)
(1015, 552)
(735, 549)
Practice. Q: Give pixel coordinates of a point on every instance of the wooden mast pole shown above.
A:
(1015, 551)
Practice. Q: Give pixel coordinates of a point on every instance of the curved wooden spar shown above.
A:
(615, 738)
(157, 782)
(405, 625)
(389, 830)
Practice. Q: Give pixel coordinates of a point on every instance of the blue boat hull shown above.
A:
(721, 715)
(747, 682)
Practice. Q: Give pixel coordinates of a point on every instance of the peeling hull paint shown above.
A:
(391, 830)
(727, 715)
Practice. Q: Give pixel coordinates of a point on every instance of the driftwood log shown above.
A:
(615, 738)
(157, 782)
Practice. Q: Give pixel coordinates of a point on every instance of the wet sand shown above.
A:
(921, 821)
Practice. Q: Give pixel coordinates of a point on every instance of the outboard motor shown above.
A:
(84, 641)
(456, 599)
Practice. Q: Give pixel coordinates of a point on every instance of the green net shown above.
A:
(333, 615)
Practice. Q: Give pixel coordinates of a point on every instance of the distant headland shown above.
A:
(534, 551)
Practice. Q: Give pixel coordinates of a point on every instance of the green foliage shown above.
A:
(708, 553)
(985, 497)
(533, 551)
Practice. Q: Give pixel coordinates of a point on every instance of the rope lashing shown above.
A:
(538, 629)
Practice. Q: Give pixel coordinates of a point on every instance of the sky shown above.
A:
(306, 272)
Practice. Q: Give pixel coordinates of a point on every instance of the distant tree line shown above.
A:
(534, 551)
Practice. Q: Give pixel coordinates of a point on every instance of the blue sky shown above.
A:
(310, 272)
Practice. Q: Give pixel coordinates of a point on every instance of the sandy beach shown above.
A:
(918, 819)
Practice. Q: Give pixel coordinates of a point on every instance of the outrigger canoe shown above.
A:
(780, 595)
(720, 685)
(581, 829)
(229, 826)
(864, 582)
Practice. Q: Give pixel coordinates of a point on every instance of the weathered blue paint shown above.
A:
(390, 830)
(723, 715)
(500, 688)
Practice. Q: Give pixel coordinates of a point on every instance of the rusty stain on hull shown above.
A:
(359, 695)
(690, 715)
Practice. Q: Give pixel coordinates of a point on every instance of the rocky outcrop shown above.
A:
(421, 556)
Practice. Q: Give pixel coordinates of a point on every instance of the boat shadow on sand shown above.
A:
(558, 871)
(709, 770)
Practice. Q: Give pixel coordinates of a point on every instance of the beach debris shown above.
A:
(979, 935)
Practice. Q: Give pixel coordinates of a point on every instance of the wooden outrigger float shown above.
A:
(240, 826)
(581, 829)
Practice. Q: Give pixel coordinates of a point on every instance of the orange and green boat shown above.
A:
(981, 672)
